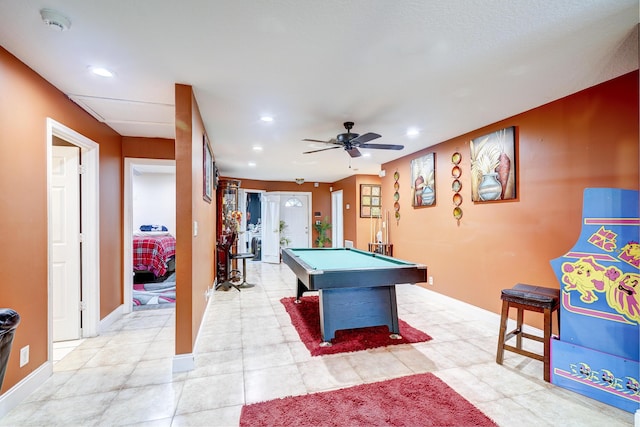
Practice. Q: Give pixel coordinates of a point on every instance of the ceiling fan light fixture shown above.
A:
(55, 20)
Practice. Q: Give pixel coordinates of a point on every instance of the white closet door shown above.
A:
(270, 228)
(243, 236)
(337, 232)
(65, 211)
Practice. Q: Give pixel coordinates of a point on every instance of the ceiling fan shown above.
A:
(352, 141)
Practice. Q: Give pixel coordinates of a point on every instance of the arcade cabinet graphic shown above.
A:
(597, 352)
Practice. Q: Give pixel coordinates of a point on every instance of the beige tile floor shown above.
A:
(248, 352)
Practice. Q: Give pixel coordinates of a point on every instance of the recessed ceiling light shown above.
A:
(252, 164)
(101, 71)
(366, 154)
(266, 119)
(257, 148)
(413, 132)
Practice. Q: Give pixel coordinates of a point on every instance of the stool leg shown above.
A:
(519, 327)
(244, 283)
(547, 343)
(244, 271)
(503, 330)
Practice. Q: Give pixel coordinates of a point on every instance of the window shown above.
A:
(293, 202)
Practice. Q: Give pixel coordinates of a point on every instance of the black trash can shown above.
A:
(9, 320)
(256, 248)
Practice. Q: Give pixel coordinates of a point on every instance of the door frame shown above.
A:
(127, 233)
(279, 194)
(90, 220)
(242, 207)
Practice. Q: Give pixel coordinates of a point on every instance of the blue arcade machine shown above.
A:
(597, 353)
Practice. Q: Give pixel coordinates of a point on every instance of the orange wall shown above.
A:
(148, 148)
(320, 195)
(26, 102)
(195, 271)
(589, 139)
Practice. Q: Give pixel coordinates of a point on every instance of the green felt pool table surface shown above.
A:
(340, 258)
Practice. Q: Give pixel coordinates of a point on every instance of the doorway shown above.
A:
(286, 217)
(250, 204)
(161, 171)
(84, 311)
(65, 219)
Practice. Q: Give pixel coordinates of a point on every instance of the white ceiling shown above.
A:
(444, 67)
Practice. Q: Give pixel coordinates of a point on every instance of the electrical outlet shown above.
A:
(24, 356)
(431, 280)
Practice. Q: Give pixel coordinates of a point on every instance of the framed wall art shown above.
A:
(216, 176)
(370, 201)
(493, 166)
(207, 170)
(423, 181)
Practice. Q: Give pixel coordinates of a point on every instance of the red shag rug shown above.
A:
(305, 317)
(416, 400)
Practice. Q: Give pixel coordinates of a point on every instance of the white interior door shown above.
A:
(243, 237)
(65, 210)
(294, 211)
(270, 228)
(337, 229)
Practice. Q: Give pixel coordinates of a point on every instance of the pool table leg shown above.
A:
(348, 308)
(302, 288)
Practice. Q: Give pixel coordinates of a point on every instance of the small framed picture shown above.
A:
(423, 181)
(370, 201)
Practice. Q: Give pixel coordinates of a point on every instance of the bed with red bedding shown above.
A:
(153, 252)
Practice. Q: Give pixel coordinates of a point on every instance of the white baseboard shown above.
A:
(110, 319)
(186, 362)
(183, 362)
(19, 392)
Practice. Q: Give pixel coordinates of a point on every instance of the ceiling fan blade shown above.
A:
(382, 146)
(353, 152)
(322, 149)
(365, 138)
(331, 141)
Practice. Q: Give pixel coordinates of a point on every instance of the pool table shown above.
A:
(356, 288)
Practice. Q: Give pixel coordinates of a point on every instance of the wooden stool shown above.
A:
(532, 298)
